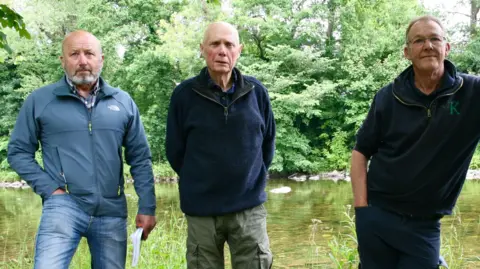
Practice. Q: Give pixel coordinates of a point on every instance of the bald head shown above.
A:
(218, 28)
(80, 34)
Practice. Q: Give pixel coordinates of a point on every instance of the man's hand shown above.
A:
(147, 223)
(58, 191)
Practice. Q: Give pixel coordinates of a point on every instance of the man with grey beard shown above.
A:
(82, 123)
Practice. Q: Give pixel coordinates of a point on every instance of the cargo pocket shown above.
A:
(192, 256)
(263, 259)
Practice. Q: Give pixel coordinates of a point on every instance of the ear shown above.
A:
(406, 53)
(62, 61)
(101, 60)
(447, 49)
(201, 51)
(240, 48)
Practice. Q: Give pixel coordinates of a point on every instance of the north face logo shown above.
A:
(114, 107)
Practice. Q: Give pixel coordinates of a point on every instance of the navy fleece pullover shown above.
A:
(221, 153)
(421, 146)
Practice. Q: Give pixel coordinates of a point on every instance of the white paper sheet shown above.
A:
(136, 238)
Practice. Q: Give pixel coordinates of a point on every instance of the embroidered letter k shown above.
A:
(453, 108)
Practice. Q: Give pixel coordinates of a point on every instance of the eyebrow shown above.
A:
(432, 35)
(221, 41)
(80, 49)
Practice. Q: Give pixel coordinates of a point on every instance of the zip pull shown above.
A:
(225, 112)
(118, 190)
(429, 113)
(65, 180)
(90, 127)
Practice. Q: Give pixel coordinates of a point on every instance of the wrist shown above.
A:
(360, 204)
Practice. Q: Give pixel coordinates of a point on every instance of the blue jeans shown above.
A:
(64, 223)
(391, 240)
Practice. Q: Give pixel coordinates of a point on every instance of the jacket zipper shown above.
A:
(90, 131)
(429, 111)
(65, 180)
(225, 108)
(90, 114)
(62, 173)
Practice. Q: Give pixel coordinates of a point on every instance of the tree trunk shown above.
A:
(330, 42)
(474, 8)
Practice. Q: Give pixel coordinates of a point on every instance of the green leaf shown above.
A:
(24, 33)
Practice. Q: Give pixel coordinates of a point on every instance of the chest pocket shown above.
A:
(63, 116)
(110, 115)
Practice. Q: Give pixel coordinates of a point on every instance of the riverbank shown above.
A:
(332, 176)
(316, 216)
(345, 176)
(23, 185)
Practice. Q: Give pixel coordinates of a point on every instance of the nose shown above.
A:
(82, 59)
(222, 50)
(428, 44)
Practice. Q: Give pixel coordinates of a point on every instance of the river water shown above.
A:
(309, 227)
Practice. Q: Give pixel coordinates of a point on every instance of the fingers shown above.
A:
(147, 229)
(147, 223)
(58, 191)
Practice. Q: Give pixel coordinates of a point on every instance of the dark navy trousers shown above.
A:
(388, 240)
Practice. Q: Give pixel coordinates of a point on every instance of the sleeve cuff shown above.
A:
(48, 190)
(363, 150)
(150, 211)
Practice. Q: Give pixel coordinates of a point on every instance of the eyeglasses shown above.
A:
(434, 40)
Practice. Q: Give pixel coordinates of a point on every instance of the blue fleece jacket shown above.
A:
(221, 153)
(82, 150)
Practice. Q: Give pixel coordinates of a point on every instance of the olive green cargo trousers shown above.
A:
(244, 231)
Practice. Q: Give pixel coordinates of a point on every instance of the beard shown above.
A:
(79, 79)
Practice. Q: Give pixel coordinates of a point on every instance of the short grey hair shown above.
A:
(422, 18)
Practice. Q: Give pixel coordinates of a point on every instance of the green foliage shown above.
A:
(321, 61)
(11, 19)
(337, 155)
(466, 56)
(150, 79)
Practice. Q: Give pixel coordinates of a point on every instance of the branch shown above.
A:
(459, 13)
(258, 42)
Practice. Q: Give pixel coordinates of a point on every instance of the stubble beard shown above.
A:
(84, 79)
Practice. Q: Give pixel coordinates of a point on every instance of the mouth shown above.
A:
(82, 71)
(220, 62)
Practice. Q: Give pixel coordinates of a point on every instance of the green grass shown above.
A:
(8, 176)
(321, 240)
(343, 246)
(165, 247)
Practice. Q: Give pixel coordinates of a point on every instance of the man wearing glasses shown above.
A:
(419, 136)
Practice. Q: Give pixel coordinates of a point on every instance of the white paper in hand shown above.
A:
(136, 240)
